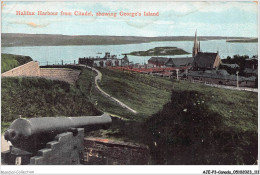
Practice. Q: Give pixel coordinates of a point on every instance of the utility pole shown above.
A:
(177, 72)
(237, 79)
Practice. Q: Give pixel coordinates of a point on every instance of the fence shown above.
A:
(61, 62)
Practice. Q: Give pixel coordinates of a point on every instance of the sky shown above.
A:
(175, 18)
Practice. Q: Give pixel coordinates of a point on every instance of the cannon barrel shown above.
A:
(23, 131)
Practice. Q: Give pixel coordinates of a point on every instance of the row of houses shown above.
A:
(199, 60)
(106, 61)
(221, 77)
(203, 67)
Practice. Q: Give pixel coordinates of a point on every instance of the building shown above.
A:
(204, 60)
(251, 72)
(107, 60)
(233, 66)
(179, 62)
(196, 46)
(158, 61)
(125, 61)
(199, 60)
(221, 77)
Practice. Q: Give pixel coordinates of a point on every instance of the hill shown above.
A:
(182, 122)
(35, 97)
(39, 97)
(249, 40)
(188, 132)
(20, 39)
(9, 61)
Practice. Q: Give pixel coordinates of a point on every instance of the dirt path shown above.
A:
(4, 144)
(97, 79)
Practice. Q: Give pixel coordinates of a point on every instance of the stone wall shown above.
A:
(66, 149)
(30, 69)
(62, 74)
(100, 151)
(73, 149)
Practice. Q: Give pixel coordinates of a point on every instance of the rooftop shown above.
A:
(205, 59)
(219, 74)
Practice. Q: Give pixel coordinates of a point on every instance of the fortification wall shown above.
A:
(64, 150)
(62, 74)
(30, 69)
(98, 151)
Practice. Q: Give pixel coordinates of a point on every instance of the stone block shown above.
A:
(66, 149)
(98, 151)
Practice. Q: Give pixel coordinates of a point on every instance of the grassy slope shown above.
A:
(39, 97)
(195, 134)
(226, 115)
(139, 95)
(9, 61)
(151, 97)
(149, 94)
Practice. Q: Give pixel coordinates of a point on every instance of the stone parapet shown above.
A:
(62, 74)
(30, 69)
(66, 149)
(99, 151)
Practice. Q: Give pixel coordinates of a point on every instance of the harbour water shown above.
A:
(54, 54)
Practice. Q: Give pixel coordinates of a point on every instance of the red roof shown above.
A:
(150, 70)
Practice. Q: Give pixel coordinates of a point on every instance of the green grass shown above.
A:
(135, 91)
(86, 84)
(148, 94)
(195, 134)
(39, 97)
(4, 126)
(9, 61)
(226, 119)
(176, 115)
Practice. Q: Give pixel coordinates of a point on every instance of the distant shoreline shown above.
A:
(16, 39)
(251, 40)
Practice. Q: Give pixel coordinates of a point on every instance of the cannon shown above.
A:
(28, 136)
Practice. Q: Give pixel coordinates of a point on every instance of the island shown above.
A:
(251, 40)
(159, 51)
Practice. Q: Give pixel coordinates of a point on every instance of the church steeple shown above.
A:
(196, 47)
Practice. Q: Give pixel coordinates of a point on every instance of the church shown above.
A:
(204, 60)
(199, 60)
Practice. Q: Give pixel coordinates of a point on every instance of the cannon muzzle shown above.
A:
(34, 132)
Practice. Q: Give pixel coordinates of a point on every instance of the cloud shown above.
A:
(243, 30)
(32, 24)
(174, 17)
